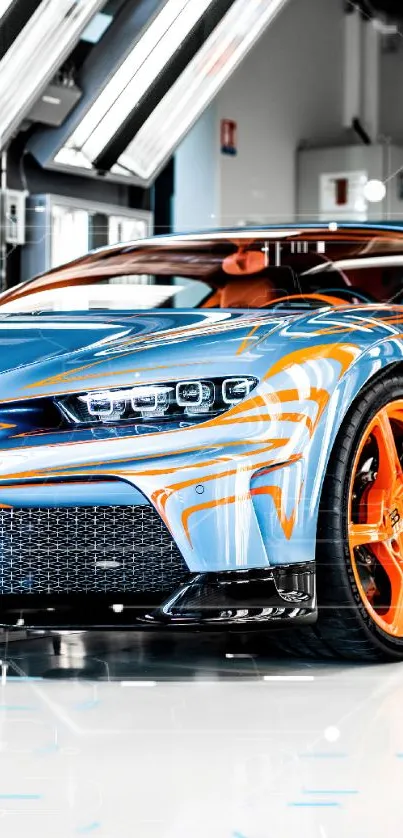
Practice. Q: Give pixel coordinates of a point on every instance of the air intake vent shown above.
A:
(125, 549)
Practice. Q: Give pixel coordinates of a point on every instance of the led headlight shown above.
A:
(189, 393)
(185, 400)
(197, 397)
(236, 389)
(104, 405)
(152, 401)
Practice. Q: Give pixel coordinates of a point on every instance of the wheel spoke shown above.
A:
(389, 555)
(390, 469)
(360, 534)
(370, 528)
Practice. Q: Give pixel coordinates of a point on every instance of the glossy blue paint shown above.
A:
(261, 466)
(225, 457)
(76, 493)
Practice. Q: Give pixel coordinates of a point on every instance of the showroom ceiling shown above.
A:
(133, 83)
(36, 54)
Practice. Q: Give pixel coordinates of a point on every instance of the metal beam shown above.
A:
(99, 67)
(34, 57)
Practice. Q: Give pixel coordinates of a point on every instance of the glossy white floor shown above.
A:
(122, 736)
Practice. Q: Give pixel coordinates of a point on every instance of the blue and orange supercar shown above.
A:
(207, 431)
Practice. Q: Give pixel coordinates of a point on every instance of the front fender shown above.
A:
(241, 490)
(300, 484)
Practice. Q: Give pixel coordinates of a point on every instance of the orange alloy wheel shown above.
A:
(375, 522)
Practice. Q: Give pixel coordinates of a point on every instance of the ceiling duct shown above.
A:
(35, 56)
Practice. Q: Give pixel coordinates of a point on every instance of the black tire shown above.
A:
(344, 629)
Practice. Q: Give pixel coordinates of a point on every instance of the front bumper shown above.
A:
(243, 599)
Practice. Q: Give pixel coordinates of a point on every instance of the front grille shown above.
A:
(125, 549)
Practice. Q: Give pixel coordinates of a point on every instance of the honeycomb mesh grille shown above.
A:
(80, 549)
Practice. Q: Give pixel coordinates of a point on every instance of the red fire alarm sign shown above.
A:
(229, 137)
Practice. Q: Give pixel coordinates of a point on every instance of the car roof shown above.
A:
(335, 230)
(384, 237)
(201, 254)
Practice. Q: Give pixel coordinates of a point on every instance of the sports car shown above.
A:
(206, 431)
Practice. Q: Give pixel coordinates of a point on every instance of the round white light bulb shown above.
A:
(374, 191)
(332, 734)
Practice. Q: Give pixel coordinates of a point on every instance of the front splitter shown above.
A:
(243, 599)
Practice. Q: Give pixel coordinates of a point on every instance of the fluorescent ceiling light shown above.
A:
(5, 5)
(195, 89)
(35, 56)
(71, 157)
(151, 53)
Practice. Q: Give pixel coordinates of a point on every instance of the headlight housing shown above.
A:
(190, 401)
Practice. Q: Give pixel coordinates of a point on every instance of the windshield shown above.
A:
(225, 272)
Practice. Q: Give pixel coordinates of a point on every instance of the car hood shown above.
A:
(47, 354)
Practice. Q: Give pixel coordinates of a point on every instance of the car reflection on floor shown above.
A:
(159, 736)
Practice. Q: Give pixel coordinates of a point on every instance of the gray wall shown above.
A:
(314, 162)
(287, 93)
(393, 177)
(289, 88)
(391, 104)
(196, 204)
(392, 126)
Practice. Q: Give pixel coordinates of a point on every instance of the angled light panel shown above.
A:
(34, 57)
(136, 75)
(5, 5)
(194, 90)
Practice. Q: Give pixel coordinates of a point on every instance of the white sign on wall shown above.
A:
(342, 196)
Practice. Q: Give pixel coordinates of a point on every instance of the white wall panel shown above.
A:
(289, 89)
(197, 176)
(391, 102)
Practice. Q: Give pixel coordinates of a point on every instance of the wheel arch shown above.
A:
(368, 368)
(299, 484)
(352, 386)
